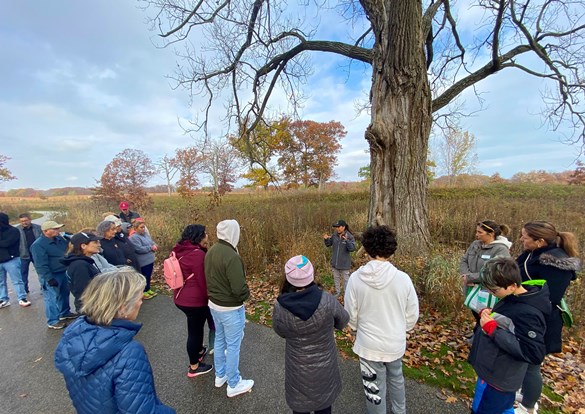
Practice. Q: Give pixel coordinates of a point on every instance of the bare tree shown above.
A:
(221, 162)
(420, 60)
(457, 153)
(167, 166)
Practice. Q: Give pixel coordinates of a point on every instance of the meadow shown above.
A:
(277, 226)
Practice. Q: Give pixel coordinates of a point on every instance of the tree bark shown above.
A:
(400, 127)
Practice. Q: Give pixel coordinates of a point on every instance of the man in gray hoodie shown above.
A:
(227, 289)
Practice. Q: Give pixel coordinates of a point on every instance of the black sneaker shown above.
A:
(70, 315)
(4, 304)
(58, 325)
(200, 370)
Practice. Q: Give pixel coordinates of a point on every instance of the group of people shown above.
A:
(65, 263)
(511, 339)
(380, 306)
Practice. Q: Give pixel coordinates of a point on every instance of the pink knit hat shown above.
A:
(299, 271)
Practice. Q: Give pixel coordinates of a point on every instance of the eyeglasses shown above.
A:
(494, 290)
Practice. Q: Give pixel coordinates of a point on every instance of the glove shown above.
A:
(53, 282)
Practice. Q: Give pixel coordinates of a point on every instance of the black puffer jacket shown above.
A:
(306, 319)
(551, 263)
(502, 358)
(80, 271)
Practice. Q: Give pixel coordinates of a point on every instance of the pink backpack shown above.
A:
(173, 273)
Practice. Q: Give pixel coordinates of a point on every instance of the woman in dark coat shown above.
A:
(81, 268)
(552, 256)
(192, 298)
(306, 316)
(112, 249)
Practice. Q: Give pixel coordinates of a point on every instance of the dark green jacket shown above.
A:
(225, 275)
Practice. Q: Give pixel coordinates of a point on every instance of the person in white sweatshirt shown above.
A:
(382, 306)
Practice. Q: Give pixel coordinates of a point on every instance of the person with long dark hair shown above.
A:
(552, 256)
(81, 267)
(192, 297)
(306, 316)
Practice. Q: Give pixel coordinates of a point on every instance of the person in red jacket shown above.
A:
(192, 297)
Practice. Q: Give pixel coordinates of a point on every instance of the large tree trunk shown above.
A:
(401, 122)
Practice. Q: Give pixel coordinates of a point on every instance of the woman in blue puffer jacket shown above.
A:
(106, 371)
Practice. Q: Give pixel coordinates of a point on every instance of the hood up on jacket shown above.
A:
(302, 304)
(229, 231)
(4, 220)
(377, 273)
(86, 347)
(502, 240)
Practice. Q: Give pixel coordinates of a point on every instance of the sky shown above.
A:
(83, 80)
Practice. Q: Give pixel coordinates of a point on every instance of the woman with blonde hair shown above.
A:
(105, 369)
(552, 256)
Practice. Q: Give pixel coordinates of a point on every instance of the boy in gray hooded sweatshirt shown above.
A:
(227, 289)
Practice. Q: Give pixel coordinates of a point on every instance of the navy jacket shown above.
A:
(502, 358)
(47, 254)
(106, 371)
(551, 263)
(9, 240)
(80, 271)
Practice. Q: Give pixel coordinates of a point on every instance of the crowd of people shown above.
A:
(108, 272)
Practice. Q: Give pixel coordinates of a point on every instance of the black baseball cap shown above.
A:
(83, 238)
(340, 223)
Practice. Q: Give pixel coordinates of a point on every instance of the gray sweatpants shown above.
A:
(375, 377)
(338, 276)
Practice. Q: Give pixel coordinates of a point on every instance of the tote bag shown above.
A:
(478, 299)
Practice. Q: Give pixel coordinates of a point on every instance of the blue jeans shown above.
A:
(376, 376)
(12, 267)
(56, 298)
(229, 331)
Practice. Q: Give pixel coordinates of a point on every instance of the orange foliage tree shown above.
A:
(125, 177)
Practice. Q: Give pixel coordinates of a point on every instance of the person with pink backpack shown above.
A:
(191, 298)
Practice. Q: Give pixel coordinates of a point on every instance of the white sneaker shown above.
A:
(4, 304)
(24, 302)
(241, 387)
(523, 410)
(219, 381)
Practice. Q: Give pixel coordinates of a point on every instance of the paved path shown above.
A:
(30, 384)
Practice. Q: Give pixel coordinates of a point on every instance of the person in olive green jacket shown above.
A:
(227, 289)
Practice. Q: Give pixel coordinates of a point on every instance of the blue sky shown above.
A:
(82, 80)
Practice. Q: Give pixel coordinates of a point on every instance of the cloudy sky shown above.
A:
(82, 80)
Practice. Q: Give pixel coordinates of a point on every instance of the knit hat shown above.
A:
(299, 271)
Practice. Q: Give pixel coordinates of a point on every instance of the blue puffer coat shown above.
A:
(106, 370)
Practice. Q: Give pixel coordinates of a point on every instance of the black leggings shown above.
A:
(532, 386)
(196, 318)
(323, 411)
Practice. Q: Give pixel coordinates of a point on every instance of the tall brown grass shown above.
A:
(276, 227)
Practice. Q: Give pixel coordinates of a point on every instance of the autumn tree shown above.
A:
(258, 148)
(167, 168)
(457, 153)
(308, 152)
(125, 178)
(189, 162)
(420, 59)
(577, 177)
(5, 174)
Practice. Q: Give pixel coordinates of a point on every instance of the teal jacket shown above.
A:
(225, 275)
(47, 254)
